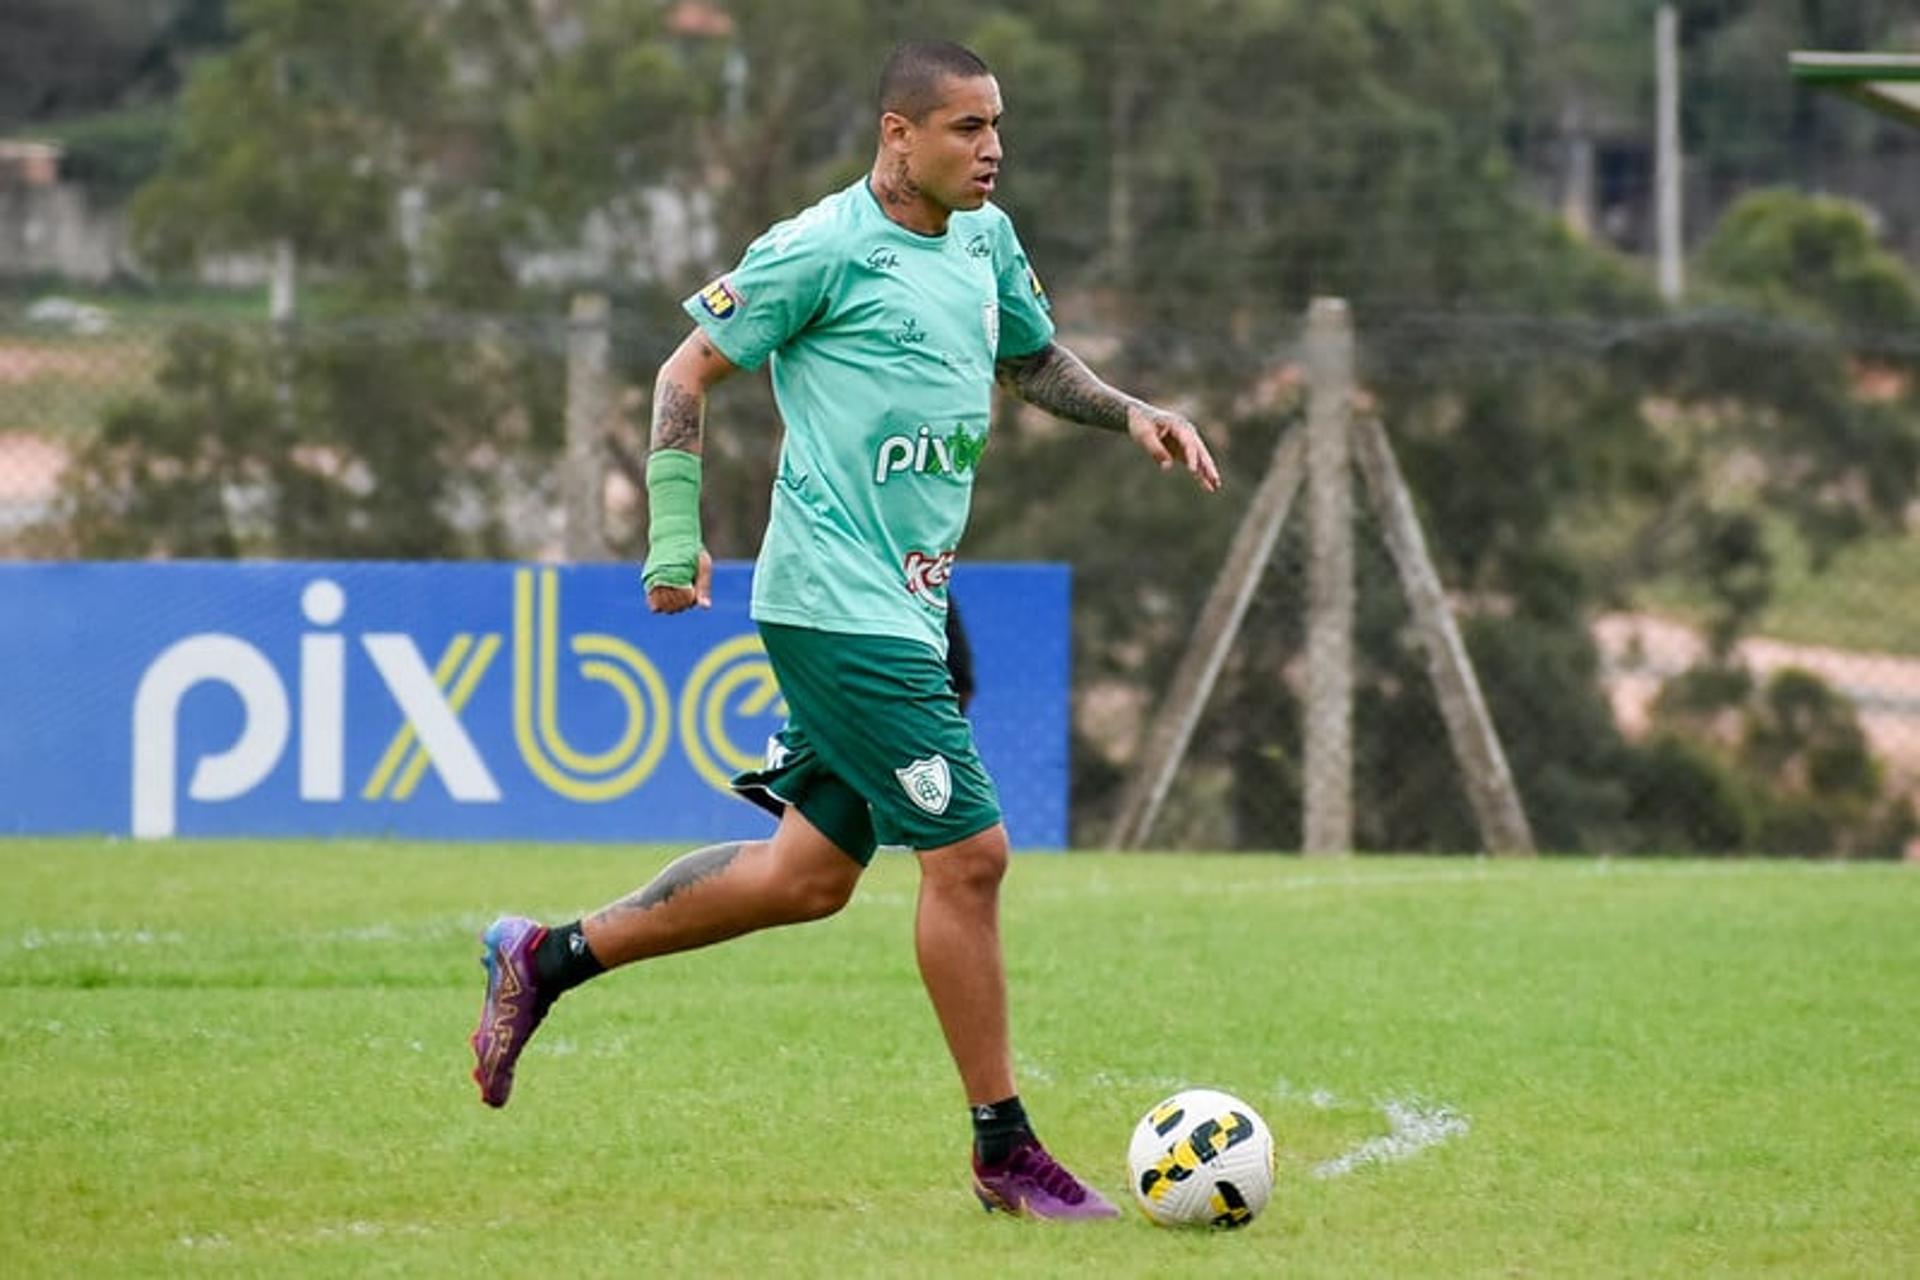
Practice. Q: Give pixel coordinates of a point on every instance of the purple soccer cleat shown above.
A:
(1032, 1184)
(513, 1007)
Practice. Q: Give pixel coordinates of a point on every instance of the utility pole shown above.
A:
(1667, 159)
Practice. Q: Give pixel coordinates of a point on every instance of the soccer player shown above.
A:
(886, 312)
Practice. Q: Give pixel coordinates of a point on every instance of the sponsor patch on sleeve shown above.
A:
(720, 299)
(1039, 290)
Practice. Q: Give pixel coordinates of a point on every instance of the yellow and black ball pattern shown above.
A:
(1201, 1158)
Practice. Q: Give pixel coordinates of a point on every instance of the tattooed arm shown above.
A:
(680, 392)
(1055, 379)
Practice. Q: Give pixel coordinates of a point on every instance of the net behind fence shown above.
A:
(1678, 569)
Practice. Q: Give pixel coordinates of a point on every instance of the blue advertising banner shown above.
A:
(470, 701)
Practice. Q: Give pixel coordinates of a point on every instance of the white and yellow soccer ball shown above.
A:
(1201, 1158)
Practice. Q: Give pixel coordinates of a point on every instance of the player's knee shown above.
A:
(974, 866)
(816, 895)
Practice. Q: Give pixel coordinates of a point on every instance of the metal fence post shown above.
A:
(1330, 588)
(589, 401)
(1483, 763)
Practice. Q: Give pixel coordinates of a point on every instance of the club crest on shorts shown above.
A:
(927, 783)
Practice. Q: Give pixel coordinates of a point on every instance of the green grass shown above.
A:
(1867, 597)
(249, 1060)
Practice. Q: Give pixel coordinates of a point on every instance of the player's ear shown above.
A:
(895, 130)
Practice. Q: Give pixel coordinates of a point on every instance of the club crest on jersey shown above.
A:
(928, 783)
(720, 300)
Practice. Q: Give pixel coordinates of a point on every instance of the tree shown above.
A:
(389, 436)
(302, 133)
(1187, 179)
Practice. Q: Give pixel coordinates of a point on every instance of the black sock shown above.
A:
(999, 1127)
(563, 960)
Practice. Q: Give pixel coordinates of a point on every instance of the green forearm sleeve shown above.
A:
(673, 524)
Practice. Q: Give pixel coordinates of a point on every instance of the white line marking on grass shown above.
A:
(1412, 1127)
(1158, 1085)
(40, 940)
(1662, 868)
(1209, 887)
(1318, 1099)
(214, 1241)
(411, 931)
(1030, 1069)
(361, 1229)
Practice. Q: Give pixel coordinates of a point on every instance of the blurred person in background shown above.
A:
(959, 656)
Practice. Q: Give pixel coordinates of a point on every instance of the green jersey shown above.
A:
(882, 343)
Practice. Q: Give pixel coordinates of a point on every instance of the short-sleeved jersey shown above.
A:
(882, 343)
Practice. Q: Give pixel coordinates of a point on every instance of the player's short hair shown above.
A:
(910, 83)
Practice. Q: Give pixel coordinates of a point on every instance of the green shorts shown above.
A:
(875, 750)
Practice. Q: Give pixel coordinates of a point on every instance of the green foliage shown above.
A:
(1811, 256)
(1778, 767)
(156, 476)
(261, 446)
(302, 132)
(1686, 799)
(1187, 178)
(1777, 383)
(112, 154)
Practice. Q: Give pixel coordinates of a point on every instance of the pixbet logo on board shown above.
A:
(437, 733)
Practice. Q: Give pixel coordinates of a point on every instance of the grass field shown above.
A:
(228, 1059)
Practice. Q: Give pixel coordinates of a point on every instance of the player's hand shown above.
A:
(665, 599)
(1169, 438)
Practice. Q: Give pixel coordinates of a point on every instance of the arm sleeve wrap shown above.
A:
(673, 523)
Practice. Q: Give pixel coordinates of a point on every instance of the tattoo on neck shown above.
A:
(676, 418)
(680, 874)
(898, 188)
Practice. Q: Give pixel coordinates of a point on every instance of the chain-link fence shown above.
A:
(1672, 538)
(1682, 585)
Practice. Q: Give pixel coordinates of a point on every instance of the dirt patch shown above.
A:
(1641, 651)
(30, 468)
(19, 364)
